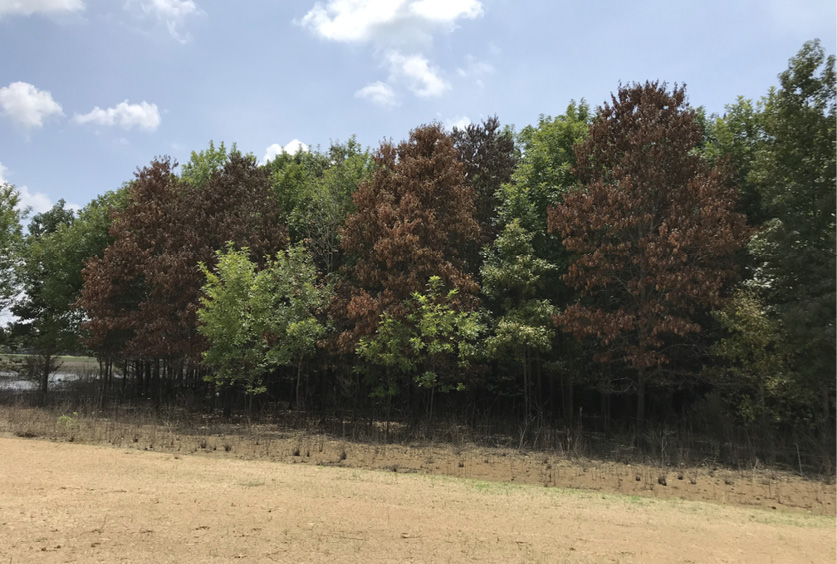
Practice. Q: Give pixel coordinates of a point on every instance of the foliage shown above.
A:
(755, 374)
(10, 239)
(735, 140)
(430, 345)
(489, 157)
(414, 219)
(513, 278)
(203, 164)
(795, 251)
(143, 292)
(652, 227)
(255, 320)
(545, 172)
(45, 320)
(513, 281)
(324, 203)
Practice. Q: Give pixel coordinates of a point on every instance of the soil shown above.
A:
(755, 487)
(62, 502)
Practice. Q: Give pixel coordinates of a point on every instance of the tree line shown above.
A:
(640, 260)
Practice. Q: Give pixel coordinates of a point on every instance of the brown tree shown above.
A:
(141, 297)
(652, 229)
(414, 219)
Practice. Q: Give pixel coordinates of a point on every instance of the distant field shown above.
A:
(77, 503)
(74, 364)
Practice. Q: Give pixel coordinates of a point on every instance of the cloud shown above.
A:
(378, 93)
(393, 26)
(27, 106)
(29, 7)
(460, 122)
(475, 70)
(145, 116)
(36, 202)
(387, 21)
(171, 13)
(422, 79)
(291, 148)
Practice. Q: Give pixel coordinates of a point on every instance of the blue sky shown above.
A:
(92, 89)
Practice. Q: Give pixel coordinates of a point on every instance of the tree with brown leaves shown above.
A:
(414, 219)
(653, 231)
(142, 295)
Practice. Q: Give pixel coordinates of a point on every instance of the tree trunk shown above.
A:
(640, 400)
(569, 402)
(526, 384)
(827, 429)
(298, 383)
(45, 378)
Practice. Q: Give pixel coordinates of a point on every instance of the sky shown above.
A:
(92, 89)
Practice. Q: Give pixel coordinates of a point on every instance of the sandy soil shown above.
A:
(755, 487)
(62, 502)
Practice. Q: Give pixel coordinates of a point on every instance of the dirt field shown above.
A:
(62, 502)
(752, 487)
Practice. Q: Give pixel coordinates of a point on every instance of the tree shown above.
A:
(755, 373)
(202, 164)
(144, 291)
(652, 230)
(255, 320)
(430, 346)
(10, 239)
(489, 157)
(414, 219)
(46, 321)
(325, 202)
(513, 280)
(736, 140)
(795, 250)
(545, 171)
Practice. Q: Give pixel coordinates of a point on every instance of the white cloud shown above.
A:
(26, 105)
(475, 70)
(36, 202)
(172, 13)
(386, 21)
(393, 26)
(29, 7)
(291, 148)
(125, 115)
(447, 10)
(422, 79)
(460, 122)
(379, 93)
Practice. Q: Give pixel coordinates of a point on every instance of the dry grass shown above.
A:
(180, 433)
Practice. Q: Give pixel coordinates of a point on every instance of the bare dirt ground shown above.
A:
(753, 487)
(63, 502)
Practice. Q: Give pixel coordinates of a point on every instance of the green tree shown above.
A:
(513, 281)
(255, 320)
(545, 171)
(429, 347)
(795, 250)
(325, 202)
(735, 140)
(46, 321)
(10, 239)
(203, 164)
(755, 374)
